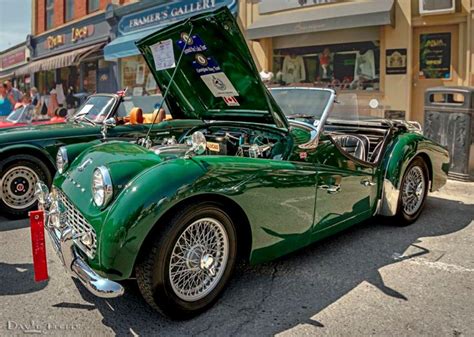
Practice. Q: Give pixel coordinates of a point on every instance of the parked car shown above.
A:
(248, 182)
(25, 116)
(28, 154)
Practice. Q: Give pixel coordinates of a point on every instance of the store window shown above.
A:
(349, 66)
(69, 10)
(137, 77)
(70, 78)
(90, 77)
(92, 5)
(49, 14)
(45, 81)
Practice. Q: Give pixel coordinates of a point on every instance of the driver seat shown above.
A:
(353, 145)
(136, 116)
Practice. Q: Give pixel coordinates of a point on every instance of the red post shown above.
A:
(38, 246)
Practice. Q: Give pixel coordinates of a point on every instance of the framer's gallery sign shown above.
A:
(166, 13)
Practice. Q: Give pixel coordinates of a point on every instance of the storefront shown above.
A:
(10, 61)
(138, 20)
(384, 52)
(72, 57)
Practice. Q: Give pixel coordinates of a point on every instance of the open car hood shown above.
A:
(216, 78)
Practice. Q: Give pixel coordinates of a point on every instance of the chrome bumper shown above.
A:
(62, 240)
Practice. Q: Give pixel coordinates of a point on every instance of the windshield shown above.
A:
(23, 114)
(298, 103)
(96, 108)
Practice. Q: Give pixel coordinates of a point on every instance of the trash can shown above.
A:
(449, 114)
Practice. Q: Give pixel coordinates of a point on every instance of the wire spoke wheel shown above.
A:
(18, 187)
(199, 259)
(413, 190)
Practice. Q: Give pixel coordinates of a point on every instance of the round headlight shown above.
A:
(102, 189)
(61, 159)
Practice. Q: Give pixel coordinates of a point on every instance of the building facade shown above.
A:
(384, 52)
(11, 60)
(66, 46)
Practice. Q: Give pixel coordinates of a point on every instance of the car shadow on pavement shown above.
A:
(16, 279)
(11, 225)
(270, 298)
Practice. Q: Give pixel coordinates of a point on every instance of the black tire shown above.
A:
(11, 199)
(152, 269)
(404, 217)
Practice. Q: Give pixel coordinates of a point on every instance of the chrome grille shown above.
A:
(73, 218)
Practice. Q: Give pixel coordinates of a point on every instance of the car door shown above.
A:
(345, 189)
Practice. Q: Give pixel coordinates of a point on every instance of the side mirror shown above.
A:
(109, 123)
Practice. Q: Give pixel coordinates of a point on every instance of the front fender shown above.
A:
(403, 149)
(137, 209)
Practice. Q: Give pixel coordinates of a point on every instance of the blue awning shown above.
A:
(124, 46)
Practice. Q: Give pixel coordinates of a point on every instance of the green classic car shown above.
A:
(246, 183)
(28, 154)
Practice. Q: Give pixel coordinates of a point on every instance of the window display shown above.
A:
(137, 77)
(350, 66)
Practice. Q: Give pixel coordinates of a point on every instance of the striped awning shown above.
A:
(67, 59)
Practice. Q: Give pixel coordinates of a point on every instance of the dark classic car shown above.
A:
(247, 182)
(28, 154)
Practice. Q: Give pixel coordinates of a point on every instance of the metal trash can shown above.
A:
(449, 120)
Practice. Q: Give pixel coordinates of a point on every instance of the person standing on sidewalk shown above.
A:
(16, 94)
(7, 102)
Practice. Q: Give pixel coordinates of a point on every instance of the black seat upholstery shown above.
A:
(356, 146)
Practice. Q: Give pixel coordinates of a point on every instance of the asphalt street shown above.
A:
(373, 279)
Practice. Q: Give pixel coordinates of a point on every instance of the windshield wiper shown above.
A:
(84, 118)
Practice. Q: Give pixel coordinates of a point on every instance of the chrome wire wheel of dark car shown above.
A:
(189, 261)
(413, 191)
(18, 177)
(198, 259)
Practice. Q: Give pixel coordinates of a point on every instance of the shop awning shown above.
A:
(67, 59)
(323, 18)
(6, 76)
(124, 46)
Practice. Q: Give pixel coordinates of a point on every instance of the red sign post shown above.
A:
(38, 246)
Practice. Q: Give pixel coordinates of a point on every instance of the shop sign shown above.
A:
(166, 13)
(12, 59)
(269, 6)
(54, 41)
(396, 61)
(81, 33)
(435, 56)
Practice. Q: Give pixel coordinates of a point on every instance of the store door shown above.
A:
(435, 61)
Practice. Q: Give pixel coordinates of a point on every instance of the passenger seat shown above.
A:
(356, 146)
(136, 116)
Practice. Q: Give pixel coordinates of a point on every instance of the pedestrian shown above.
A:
(52, 103)
(35, 97)
(13, 91)
(6, 102)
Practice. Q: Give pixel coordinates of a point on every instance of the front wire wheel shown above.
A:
(188, 261)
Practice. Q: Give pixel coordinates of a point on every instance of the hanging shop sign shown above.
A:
(166, 13)
(396, 61)
(269, 6)
(435, 56)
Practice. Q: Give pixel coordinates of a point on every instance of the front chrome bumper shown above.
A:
(62, 240)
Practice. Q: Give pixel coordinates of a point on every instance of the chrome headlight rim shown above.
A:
(102, 193)
(62, 160)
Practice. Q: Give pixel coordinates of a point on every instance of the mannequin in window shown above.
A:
(325, 63)
(293, 69)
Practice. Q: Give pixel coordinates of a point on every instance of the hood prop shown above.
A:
(146, 142)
